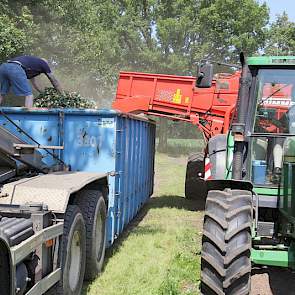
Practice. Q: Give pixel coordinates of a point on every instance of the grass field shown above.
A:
(159, 253)
(179, 146)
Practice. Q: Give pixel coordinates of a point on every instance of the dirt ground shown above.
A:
(272, 281)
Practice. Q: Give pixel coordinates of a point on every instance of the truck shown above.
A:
(71, 181)
(249, 211)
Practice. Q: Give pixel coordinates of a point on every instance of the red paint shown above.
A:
(177, 98)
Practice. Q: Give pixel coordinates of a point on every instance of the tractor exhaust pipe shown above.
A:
(238, 128)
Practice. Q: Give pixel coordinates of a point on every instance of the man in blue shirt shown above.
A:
(16, 72)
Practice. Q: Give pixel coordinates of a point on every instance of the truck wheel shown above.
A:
(93, 208)
(4, 268)
(226, 243)
(195, 186)
(72, 254)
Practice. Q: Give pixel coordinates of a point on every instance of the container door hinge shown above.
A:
(113, 173)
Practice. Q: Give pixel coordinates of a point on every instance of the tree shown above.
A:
(16, 30)
(229, 27)
(281, 37)
(177, 34)
(91, 40)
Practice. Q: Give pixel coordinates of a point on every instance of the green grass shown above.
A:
(159, 253)
(178, 146)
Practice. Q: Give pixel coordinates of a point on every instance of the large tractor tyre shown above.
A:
(72, 254)
(195, 186)
(226, 243)
(93, 207)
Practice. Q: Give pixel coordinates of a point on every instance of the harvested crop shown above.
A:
(50, 98)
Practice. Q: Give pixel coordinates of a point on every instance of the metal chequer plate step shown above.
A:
(53, 189)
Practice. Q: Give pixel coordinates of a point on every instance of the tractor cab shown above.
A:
(269, 128)
(271, 122)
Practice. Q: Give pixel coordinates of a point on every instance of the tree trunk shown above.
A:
(163, 136)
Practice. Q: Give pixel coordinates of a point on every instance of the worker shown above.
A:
(16, 72)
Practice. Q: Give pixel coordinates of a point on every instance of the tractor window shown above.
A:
(275, 111)
(274, 121)
(267, 157)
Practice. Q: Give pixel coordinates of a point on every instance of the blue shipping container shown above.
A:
(97, 141)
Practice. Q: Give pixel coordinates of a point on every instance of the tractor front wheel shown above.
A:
(226, 243)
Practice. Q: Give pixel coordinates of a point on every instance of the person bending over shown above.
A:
(16, 72)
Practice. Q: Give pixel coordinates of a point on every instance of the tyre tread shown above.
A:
(87, 201)
(226, 265)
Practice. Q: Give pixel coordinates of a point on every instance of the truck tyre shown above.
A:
(195, 186)
(72, 254)
(93, 208)
(226, 243)
(4, 268)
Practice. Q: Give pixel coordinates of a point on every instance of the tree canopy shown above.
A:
(90, 41)
(281, 37)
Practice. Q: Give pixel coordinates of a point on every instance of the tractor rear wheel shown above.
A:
(195, 186)
(226, 243)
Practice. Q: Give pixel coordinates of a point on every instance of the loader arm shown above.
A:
(178, 98)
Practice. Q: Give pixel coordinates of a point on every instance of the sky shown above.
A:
(278, 6)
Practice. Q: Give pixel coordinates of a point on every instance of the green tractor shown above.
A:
(250, 207)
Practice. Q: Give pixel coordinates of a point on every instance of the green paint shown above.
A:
(287, 201)
(270, 257)
(277, 255)
(266, 191)
(282, 258)
(271, 60)
(292, 256)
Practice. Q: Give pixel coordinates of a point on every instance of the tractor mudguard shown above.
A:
(221, 184)
(217, 146)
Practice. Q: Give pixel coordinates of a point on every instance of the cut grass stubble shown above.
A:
(159, 252)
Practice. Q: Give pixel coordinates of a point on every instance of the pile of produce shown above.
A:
(50, 98)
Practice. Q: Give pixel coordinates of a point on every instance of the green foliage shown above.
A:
(50, 98)
(102, 37)
(171, 36)
(16, 31)
(281, 37)
(231, 26)
(90, 41)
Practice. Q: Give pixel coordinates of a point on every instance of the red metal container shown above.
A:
(178, 98)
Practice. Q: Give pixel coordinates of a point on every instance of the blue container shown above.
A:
(97, 141)
(259, 171)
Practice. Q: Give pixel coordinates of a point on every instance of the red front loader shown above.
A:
(208, 104)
